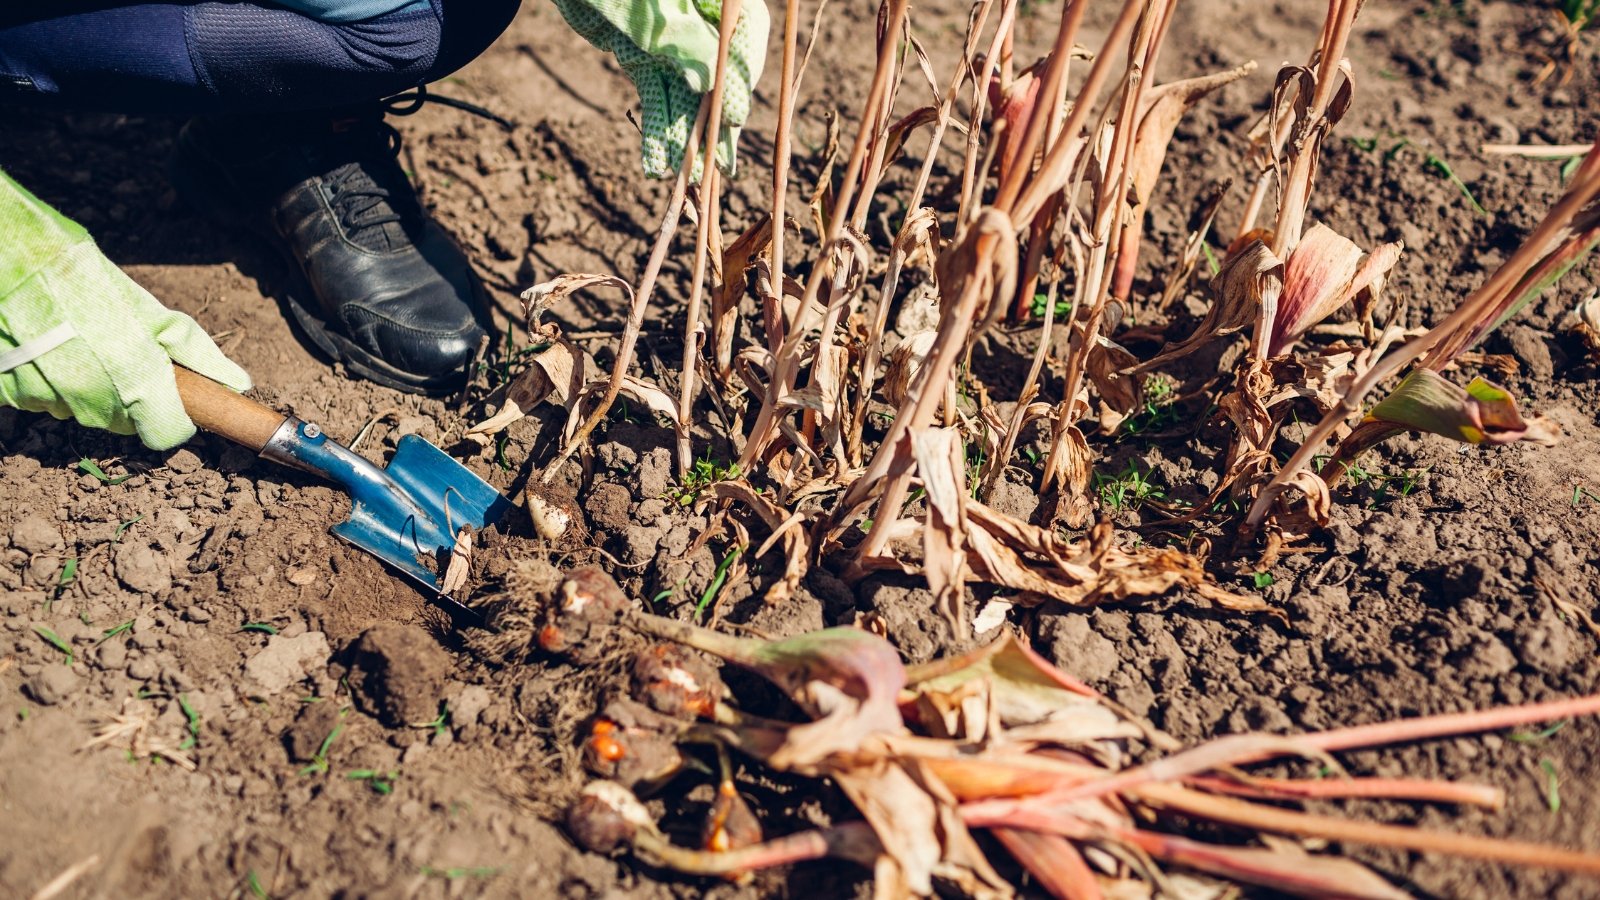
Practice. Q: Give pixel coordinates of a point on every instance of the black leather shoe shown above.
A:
(383, 288)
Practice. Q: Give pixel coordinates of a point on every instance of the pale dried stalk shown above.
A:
(891, 278)
(1283, 821)
(991, 241)
(1056, 169)
(972, 174)
(710, 218)
(1111, 198)
(1583, 190)
(772, 305)
(641, 301)
(787, 358)
(1536, 151)
(1297, 191)
(996, 240)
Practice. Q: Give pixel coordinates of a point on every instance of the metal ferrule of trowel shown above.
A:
(407, 514)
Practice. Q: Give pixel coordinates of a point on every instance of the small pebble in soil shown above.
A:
(143, 568)
(469, 705)
(184, 461)
(284, 661)
(112, 655)
(35, 534)
(53, 684)
(145, 668)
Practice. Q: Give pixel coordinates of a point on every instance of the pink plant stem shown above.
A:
(1448, 725)
(1424, 790)
(1053, 861)
(1270, 818)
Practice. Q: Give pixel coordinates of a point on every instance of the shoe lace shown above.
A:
(362, 202)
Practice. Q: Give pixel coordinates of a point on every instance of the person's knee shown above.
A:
(260, 55)
(469, 27)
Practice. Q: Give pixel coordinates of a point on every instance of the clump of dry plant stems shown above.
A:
(1058, 162)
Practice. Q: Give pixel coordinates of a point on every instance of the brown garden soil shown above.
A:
(1432, 591)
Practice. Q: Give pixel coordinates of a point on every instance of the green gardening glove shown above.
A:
(669, 50)
(80, 340)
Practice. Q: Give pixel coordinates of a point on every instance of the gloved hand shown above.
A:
(669, 50)
(79, 339)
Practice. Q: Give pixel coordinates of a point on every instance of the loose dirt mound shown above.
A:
(204, 602)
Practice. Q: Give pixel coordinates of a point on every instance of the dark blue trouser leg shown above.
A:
(215, 57)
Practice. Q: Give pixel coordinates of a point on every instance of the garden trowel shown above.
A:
(407, 515)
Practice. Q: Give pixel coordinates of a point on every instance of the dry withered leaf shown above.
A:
(1249, 283)
(1119, 393)
(542, 296)
(459, 568)
(905, 360)
(939, 457)
(1164, 107)
(1324, 273)
(1024, 694)
(556, 373)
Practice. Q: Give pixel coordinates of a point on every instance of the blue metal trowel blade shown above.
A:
(407, 515)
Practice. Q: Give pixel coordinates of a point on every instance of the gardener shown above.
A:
(288, 139)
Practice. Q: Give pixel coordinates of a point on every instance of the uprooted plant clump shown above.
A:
(995, 741)
(864, 438)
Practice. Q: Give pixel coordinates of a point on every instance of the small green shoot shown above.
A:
(91, 467)
(500, 452)
(1569, 167)
(380, 782)
(319, 761)
(193, 720)
(1552, 785)
(1579, 13)
(1157, 410)
(1262, 579)
(122, 528)
(704, 473)
(23, 714)
(439, 723)
(55, 641)
(1533, 737)
(1039, 300)
(1211, 259)
(717, 581)
(1127, 491)
(1580, 492)
(69, 574)
(1436, 163)
(1365, 145)
(113, 631)
(254, 883)
(262, 627)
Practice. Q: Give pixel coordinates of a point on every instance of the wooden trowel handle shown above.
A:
(219, 410)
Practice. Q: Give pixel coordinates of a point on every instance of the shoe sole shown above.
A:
(192, 185)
